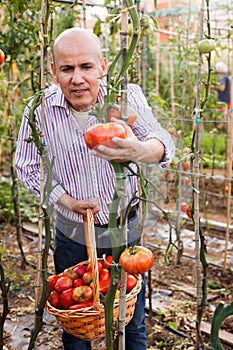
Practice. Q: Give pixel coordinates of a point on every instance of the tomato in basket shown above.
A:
(52, 279)
(66, 298)
(81, 305)
(69, 272)
(54, 299)
(107, 262)
(99, 264)
(63, 283)
(82, 294)
(80, 269)
(87, 277)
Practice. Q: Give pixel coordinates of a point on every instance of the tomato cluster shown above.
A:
(73, 288)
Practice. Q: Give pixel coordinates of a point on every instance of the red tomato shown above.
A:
(63, 283)
(99, 264)
(82, 294)
(115, 113)
(80, 269)
(102, 134)
(87, 277)
(103, 286)
(184, 207)
(2, 57)
(54, 299)
(78, 282)
(66, 299)
(107, 262)
(70, 273)
(136, 259)
(104, 275)
(131, 282)
(52, 281)
(185, 166)
(81, 305)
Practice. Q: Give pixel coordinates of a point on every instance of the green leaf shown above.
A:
(172, 325)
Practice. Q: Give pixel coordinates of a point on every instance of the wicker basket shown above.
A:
(89, 323)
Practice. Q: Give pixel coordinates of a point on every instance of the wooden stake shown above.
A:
(229, 170)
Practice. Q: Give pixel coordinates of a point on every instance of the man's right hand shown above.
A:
(79, 206)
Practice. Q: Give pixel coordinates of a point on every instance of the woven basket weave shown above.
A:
(89, 323)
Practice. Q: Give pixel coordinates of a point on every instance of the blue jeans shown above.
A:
(68, 253)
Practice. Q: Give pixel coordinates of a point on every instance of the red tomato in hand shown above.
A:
(63, 283)
(52, 279)
(136, 259)
(66, 299)
(102, 134)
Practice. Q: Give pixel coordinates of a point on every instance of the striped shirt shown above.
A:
(75, 170)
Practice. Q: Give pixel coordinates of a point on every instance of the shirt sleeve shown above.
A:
(147, 121)
(27, 163)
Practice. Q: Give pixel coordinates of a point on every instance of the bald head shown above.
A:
(74, 36)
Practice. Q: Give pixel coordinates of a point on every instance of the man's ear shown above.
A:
(54, 72)
(53, 68)
(104, 66)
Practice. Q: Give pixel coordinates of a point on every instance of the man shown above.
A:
(223, 87)
(82, 178)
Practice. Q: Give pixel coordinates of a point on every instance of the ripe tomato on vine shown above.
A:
(2, 57)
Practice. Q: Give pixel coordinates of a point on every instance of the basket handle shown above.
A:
(89, 229)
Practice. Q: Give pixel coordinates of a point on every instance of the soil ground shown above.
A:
(174, 307)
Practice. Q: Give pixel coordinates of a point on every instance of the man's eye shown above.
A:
(66, 69)
(87, 66)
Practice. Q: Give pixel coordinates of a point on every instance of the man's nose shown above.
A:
(77, 76)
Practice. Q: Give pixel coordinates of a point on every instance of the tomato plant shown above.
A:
(102, 134)
(206, 45)
(136, 259)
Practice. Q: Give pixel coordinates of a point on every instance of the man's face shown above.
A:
(78, 68)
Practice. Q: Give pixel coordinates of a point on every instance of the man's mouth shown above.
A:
(78, 91)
